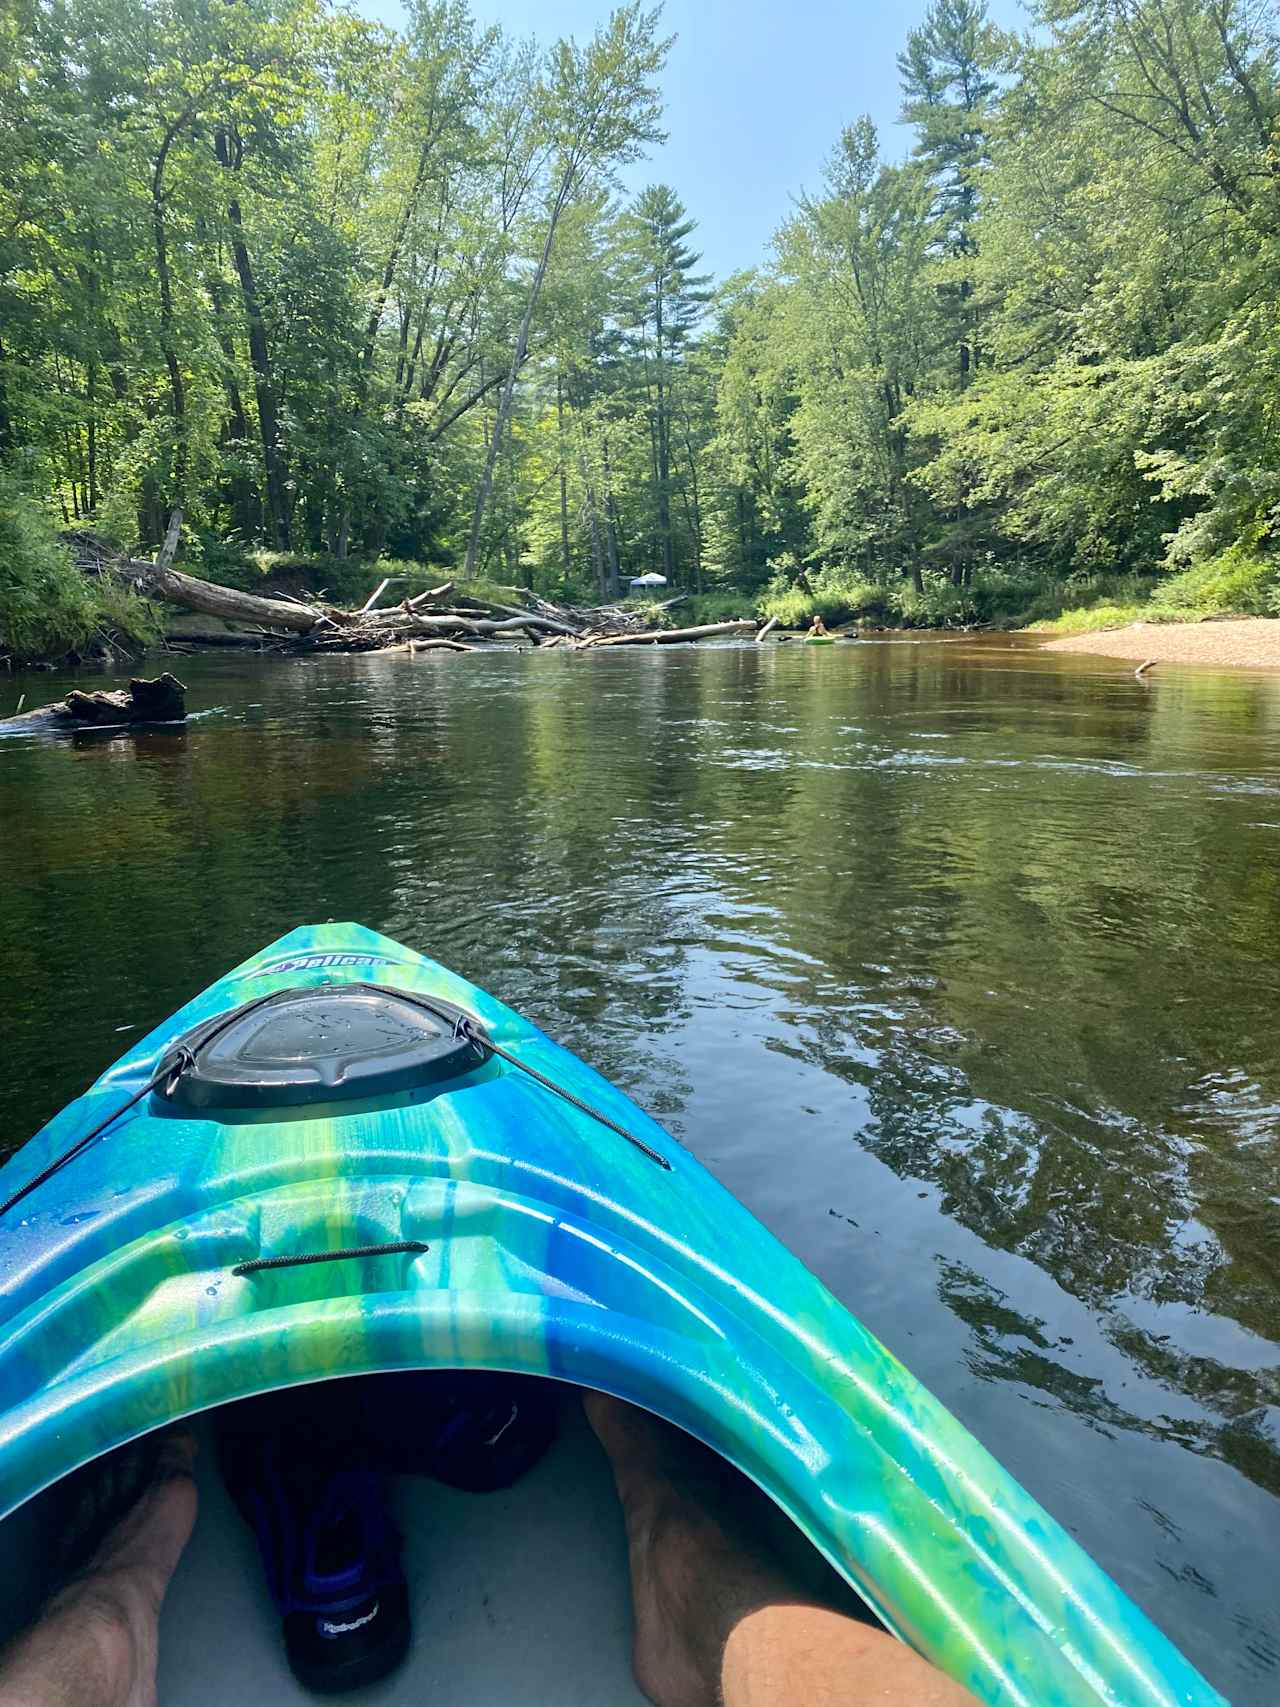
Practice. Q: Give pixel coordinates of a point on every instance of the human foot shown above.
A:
(720, 1620)
(142, 1547)
(97, 1639)
(698, 1567)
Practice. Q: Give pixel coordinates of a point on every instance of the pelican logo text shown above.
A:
(319, 962)
(329, 1628)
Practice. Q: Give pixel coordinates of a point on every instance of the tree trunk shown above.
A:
(694, 506)
(265, 391)
(6, 420)
(664, 455)
(610, 523)
(564, 479)
(597, 553)
(177, 388)
(91, 389)
(374, 321)
(517, 362)
(237, 430)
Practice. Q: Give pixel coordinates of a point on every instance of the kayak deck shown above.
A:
(207, 1242)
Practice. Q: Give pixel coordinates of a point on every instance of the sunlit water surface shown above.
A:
(958, 962)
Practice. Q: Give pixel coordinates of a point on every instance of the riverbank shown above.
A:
(77, 597)
(1250, 642)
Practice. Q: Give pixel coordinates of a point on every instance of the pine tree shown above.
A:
(948, 88)
(671, 298)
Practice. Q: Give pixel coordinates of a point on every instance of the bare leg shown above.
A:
(95, 1644)
(718, 1619)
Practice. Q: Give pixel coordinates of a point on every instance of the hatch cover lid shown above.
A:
(321, 1044)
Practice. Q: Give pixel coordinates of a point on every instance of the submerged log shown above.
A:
(217, 637)
(159, 700)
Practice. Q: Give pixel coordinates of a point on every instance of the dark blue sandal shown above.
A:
(330, 1551)
(469, 1429)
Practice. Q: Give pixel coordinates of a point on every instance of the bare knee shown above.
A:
(785, 1653)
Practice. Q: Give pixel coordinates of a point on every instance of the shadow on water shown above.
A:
(958, 962)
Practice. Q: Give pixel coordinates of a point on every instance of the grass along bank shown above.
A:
(50, 609)
(1235, 583)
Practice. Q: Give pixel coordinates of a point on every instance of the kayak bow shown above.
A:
(352, 1160)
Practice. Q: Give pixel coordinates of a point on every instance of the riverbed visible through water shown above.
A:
(957, 961)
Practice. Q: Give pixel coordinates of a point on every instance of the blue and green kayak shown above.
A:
(343, 1158)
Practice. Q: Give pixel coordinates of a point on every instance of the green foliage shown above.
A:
(710, 607)
(48, 608)
(1049, 344)
(1074, 605)
(345, 581)
(835, 595)
(361, 296)
(937, 604)
(1093, 618)
(1234, 582)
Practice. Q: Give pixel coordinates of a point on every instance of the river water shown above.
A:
(957, 961)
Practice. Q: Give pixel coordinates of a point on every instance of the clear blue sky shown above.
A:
(757, 92)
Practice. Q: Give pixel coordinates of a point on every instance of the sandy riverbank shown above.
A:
(1250, 642)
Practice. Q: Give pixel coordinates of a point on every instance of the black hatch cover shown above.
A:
(321, 1044)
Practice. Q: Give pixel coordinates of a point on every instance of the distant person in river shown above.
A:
(817, 626)
(719, 1619)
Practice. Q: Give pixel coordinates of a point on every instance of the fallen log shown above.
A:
(441, 592)
(374, 596)
(310, 627)
(161, 580)
(771, 624)
(550, 624)
(156, 582)
(477, 626)
(159, 700)
(557, 624)
(440, 644)
(669, 636)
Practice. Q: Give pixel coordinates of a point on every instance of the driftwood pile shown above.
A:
(443, 618)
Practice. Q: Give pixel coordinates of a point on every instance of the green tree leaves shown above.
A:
(349, 289)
